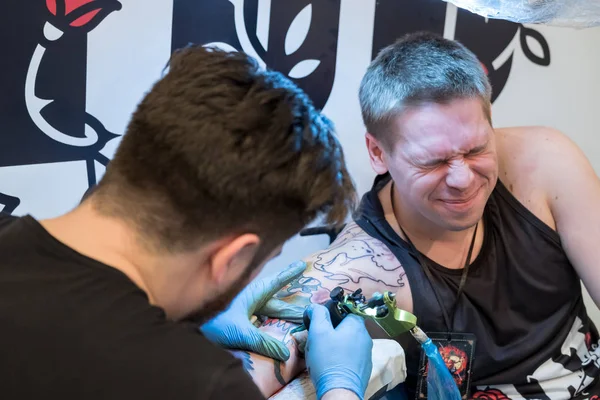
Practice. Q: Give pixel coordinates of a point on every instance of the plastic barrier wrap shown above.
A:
(440, 383)
(567, 13)
(389, 370)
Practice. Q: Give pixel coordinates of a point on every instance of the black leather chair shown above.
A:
(330, 231)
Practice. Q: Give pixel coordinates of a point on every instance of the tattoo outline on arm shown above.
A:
(355, 245)
(285, 328)
(352, 245)
(277, 370)
(304, 291)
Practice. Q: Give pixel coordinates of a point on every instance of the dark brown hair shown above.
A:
(220, 146)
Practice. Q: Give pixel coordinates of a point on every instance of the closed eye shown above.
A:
(476, 151)
(433, 163)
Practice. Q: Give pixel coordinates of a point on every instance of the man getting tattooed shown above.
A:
(485, 234)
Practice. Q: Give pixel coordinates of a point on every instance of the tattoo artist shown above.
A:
(221, 163)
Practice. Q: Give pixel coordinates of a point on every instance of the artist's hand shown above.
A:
(338, 358)
(232, 328)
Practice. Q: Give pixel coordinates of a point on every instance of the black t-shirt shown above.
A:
(74, 328)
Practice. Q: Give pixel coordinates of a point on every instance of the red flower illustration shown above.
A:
(490, 394)
(86, 14)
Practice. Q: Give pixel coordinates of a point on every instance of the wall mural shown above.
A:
(43, 112)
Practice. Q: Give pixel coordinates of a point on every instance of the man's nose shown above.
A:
(459, 175)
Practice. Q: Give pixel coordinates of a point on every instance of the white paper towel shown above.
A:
(389, 370)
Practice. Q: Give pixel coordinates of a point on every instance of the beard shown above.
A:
(216, 305)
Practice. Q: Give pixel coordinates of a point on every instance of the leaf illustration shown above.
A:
(528, 33)
(298, 30)
(304, 68)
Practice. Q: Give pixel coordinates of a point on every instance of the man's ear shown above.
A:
(230, 260)
(376, 154)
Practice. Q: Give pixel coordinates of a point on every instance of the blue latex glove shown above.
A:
(232, 328)
(338, 358)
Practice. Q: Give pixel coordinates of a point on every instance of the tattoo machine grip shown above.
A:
(336, 314)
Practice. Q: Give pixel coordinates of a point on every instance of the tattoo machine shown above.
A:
(381, 309)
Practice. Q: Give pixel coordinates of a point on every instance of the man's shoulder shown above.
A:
(528, 165)
(353, 243)
(356, 259)
(529, 134)
(526, 147)
(179, 359)
(135, 354)
(168, 340)
(6, 219)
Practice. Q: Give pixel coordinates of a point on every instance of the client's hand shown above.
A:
(338, 358)
(232, 328)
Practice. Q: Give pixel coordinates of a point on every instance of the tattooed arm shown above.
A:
(271, 375)
(355, 260)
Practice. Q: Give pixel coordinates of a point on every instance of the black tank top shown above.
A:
(522, 299)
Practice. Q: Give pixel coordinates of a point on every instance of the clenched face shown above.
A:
(443, 163)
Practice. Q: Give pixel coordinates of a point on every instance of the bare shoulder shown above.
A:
(527, 146)
(517, 153)
(520, 136)
(356, 260)
(527, 158)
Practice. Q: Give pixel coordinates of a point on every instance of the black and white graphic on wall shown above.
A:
(48, 127)
(297, 38)
(493, 41)
(45, 87)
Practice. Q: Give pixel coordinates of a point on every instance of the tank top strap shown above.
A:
(512, 211)
(371, 218)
